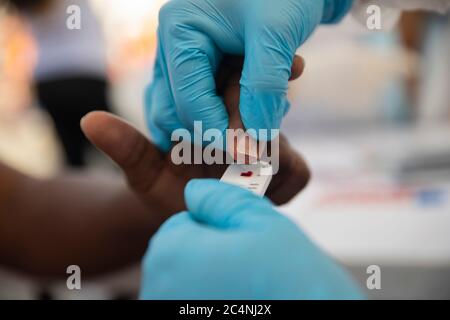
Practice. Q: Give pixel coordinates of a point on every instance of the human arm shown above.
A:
(91, 220)
(97, 221)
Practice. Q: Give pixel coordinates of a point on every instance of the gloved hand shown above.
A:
(158, 181)
(234, 245)
(193, 36)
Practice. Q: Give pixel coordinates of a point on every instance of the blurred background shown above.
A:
(371, 114)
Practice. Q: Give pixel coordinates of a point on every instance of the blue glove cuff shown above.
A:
(335, 10)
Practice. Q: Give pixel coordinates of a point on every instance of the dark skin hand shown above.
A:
(96, 221)
(153, 176)
(91, 220)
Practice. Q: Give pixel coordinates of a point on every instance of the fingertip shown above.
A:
(196, 189)
(95, 123)
(298, 67)
(224, 205)
(191, 185)
(85, 122)
(204, 196)
(101, 127)
(120, 141)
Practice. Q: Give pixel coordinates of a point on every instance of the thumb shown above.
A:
(139, 159)
(225, 206)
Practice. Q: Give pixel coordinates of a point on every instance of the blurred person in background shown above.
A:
(27, 138)
(71, 70)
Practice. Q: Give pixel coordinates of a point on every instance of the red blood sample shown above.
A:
(247, 174)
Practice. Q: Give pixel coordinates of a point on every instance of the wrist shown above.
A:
(335, 10)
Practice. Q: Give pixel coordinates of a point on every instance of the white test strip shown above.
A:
(253, 177)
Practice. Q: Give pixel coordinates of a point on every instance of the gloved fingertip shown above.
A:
(196, 190)
(212, 202)
(191, 185)
(196, 185)
(203, 197)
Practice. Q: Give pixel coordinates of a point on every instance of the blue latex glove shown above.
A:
(234, 245)
(193, 36)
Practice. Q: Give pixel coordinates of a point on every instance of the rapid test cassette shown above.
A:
(254, 177)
